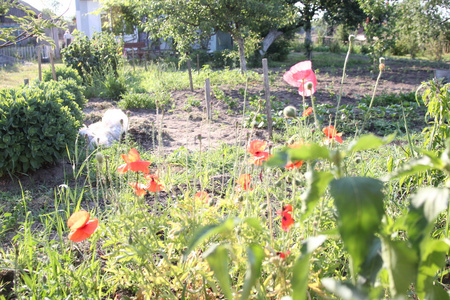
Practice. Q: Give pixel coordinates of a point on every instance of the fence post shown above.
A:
(190, 75)
(208, 99)
(39, 61)
(52, 63)
(267, 96)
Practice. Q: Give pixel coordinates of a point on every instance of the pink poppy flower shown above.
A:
(300, 75)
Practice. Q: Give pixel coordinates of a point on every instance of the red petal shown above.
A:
(122, 169)
(139, 166)
(256, 146)
(286, 221)
(133, 155)
(78, 219)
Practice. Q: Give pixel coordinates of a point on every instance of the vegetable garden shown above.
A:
(347, 200)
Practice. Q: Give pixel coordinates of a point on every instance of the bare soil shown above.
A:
(189, 128)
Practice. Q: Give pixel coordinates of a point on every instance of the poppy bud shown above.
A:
(99, 157)
(351, 37)
(309, 86)
(290, 112)
(381, 66)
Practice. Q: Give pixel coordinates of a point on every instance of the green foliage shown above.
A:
(137, 100)
(65, 92)
(378, 26)
(37, 127)
(62, 72)
(436, 97)
(28, 24)
(97, 56)
(279, 50)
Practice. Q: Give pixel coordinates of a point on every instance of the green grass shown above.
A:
(14, 76)
(171, 245)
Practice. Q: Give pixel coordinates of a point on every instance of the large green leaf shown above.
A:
(317, 184)
(217, 258)
(278, 159)
(425, 206)
(255, 254)
(372, 264)
(359, 201)
(300, 270)
(401, 263)
(432, 259)
(308, 152)
(368, 142)
(413, 167)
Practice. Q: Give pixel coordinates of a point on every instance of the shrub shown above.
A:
(98, 55)
(64, 92)
(34, 128)
(62, 73)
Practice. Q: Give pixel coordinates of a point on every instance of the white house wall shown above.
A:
(86, 22)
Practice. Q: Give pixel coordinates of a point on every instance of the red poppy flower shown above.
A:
(283, 255)
(291, 165)
(133, 163)
(307, 112)
(139, 188)
(331, 134)
(80, 225)
(300, 75)
(244, 182)
(286, 221)
(203, 196)
(153, 184)
(256, 148)
(286, 208)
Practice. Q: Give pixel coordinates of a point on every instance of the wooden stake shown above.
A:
(208, 99)
(267, 96)
(190, 75)
(39, 62)
(26, 81)
(53, 64)
(198, 64)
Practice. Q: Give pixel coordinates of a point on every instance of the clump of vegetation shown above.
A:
(38, 125)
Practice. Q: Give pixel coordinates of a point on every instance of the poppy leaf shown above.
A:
(217, 258)
(308, 152)
(255, 255)
(300, 270)
(369, 141)
(359, 202)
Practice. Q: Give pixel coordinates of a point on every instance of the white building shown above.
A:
(87, 22)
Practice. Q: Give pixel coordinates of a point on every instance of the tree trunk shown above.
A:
(308, 40)
(269, 39)
(240, 41)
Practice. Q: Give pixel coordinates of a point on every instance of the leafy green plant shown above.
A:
(137, 100)
(98, 55)
(62, 72)
(436, 97)
(36, 128)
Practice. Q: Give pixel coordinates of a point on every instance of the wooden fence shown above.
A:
(25, 52)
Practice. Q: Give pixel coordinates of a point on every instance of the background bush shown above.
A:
(37, 126)
(89, 57)
(62, 72)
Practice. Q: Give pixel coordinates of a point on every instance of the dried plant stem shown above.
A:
(366, 117)
(342, 80)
